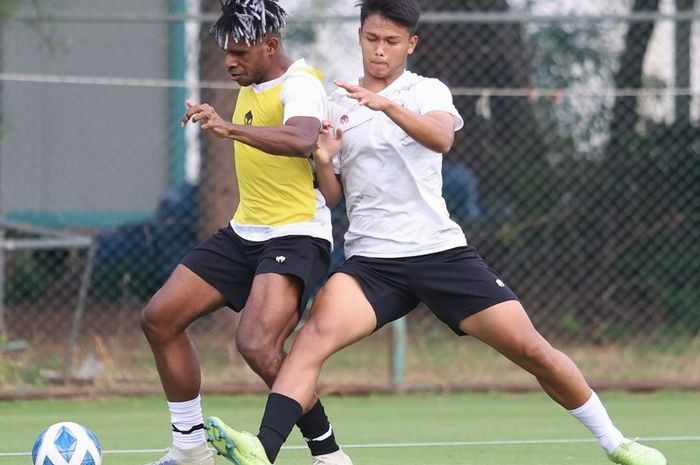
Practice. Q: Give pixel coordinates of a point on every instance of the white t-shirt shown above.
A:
(302, 95)
(392, 184)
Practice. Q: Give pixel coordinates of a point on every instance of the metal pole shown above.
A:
(398, 353)
(193, 150)
(78, 315)
(2, 283)
(177, 95)
(2, 228)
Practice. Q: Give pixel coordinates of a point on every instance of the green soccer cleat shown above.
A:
(634, 453)
(239, 447)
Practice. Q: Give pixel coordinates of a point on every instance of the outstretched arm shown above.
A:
(434, 130)
(296, 138)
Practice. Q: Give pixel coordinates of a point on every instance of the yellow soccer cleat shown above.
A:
(634, 453)
(239, 447)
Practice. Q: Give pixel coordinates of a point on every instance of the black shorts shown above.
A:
(229, 263)
(454, 284)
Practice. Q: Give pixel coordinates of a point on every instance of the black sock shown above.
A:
(281, 412)
(314, 425)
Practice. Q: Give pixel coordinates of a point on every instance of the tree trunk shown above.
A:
(501, 142)
(616, 204)
(475, 55)
(218, 189)
(629, 76)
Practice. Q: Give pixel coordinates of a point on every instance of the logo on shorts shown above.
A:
(500, 283)
(280, 258)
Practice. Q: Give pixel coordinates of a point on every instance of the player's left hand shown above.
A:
(364, 97)
(328, 144)
(207, 116)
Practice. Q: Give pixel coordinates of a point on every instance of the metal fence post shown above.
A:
(398, 353)
(2, 283)
(79, 310)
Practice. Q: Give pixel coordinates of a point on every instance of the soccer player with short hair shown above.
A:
(402, 248)
(275, 249)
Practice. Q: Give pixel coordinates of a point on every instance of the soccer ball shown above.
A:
(67, 443)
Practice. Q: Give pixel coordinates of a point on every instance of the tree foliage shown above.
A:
(613, 223)
(8, 8)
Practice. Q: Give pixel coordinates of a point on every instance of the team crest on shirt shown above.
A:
(248, 118)
(344, 119)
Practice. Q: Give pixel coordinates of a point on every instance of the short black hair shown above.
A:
(403, 12)
(248, 21)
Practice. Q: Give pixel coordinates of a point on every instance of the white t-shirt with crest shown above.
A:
(392, 184)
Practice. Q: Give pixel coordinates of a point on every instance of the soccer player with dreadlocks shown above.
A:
(277, 245)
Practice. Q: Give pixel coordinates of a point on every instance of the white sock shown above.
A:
(187, 418)
(593, 416)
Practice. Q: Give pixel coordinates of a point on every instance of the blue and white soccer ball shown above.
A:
(67, 443)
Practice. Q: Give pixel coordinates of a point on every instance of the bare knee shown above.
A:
(157, 321)
(253, 345)
(536, 355)
(316, 341)
(264, 354)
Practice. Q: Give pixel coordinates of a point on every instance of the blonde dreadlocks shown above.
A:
(248, 21)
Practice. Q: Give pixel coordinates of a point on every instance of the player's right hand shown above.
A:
(207, 116)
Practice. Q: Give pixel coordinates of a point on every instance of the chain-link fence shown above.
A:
(577, 176)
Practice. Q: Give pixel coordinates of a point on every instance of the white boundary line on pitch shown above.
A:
(504, 442)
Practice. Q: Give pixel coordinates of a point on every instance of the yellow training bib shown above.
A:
(274, 190)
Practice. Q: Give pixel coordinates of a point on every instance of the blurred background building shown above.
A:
(577, 176)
